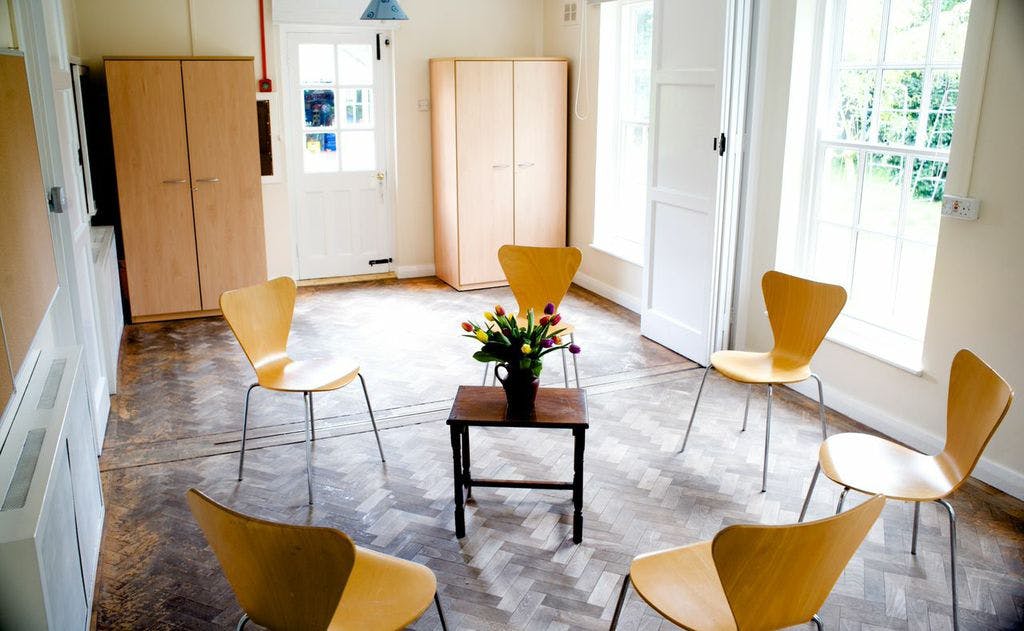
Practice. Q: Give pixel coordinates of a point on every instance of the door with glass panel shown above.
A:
(338, 147)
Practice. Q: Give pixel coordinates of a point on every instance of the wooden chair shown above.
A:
(538, 276)
(800, 312)
(261, 317)
(306, 577)
(751, 577)
(978, 401)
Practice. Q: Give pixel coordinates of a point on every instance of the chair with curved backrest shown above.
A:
(261, 317)
(978, 401)
(306, 577)
(751, 577)
(537, 276)
(801, 312)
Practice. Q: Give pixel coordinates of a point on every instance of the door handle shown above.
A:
(500, 166)
(211, 180)
(380, 176)
(525, 165)
(181, 181)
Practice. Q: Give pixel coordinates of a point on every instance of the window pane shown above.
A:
(358, 151)
(632, 182)
(899, 106)
(861, 31)
(321, 154)
(883, 191)
(917, 263)
(953, 15)
(316, 63)
(319, 106)
(358, 103)
(855, 98)
(909, 26)
(925, 207)
(355, 64)
(838, 197)
(832, 254)
(872, 277)
(945, 94)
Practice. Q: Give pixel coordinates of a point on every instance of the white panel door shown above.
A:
(338, 146)
(686, 174)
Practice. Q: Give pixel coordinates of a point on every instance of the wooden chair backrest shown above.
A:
(779, 576)
(285, 577)
(977, 403)
(538, 276)
(801, 312)
(261, 317)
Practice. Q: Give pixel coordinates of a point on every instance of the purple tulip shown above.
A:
(549, 308)
(574, 349)
(547, 342)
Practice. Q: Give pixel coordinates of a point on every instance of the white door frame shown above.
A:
(293, 153)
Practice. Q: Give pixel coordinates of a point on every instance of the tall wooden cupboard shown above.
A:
(187, 156)
(499, 134)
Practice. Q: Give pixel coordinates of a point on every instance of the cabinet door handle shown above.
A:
(500, 166)
(181, 181)
(209, 179)
(525, 165)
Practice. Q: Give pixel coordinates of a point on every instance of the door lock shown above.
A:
(380, 176)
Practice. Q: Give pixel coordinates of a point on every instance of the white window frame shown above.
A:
(886, 344)
(610, 124)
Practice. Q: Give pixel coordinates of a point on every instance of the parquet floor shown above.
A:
(175, 425)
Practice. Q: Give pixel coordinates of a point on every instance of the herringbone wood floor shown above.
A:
(175, 425)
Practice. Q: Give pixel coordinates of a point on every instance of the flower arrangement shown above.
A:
(518, 348)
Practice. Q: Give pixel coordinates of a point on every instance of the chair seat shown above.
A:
(682, 584)
(759, 367)
(383, 593)
(568, 328)
(873, 465)
(316, 375)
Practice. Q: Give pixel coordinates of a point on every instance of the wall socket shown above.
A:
(965, 208)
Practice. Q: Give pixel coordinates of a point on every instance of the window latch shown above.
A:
(718, 144)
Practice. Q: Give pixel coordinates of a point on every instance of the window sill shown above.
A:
(621, 249)
(891, 348)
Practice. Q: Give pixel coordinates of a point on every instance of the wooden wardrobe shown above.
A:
(188, 177)
(499, 134)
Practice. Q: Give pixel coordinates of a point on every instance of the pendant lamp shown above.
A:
(384, 10)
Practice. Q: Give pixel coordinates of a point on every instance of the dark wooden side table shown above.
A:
(556, 408)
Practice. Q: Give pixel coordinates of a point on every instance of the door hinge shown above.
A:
(379, 262)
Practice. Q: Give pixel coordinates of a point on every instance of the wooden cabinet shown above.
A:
(188, 178)
(499, 131)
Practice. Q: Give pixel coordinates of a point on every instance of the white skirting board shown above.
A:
(414, 271)
(605, 290)
(1003, 478)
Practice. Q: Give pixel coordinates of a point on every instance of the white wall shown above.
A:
(978, 291)
(230, 27)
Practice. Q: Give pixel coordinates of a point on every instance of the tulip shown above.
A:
(506, 331)
(547, 342)
(526, 349)
(556, 339)
(574, 349)
(556, 319)
(488, 316)
(481, 335)
(544, 320)
(549, 308)
(499, 310)
(467, 327)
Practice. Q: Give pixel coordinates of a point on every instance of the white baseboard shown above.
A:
(605, 290)
(414, 271)
(999, 476)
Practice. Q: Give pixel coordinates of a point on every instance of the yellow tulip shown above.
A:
(481, 335)
(488, 316)
(526, 349)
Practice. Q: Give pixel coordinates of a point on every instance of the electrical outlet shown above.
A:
(570, 14)
(965, 208)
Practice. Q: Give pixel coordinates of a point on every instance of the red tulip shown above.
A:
(499, 310)
(544, 320)
(556, 319)
(467, 327)
(557, 339)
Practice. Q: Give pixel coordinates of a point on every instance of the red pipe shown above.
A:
(265, 84)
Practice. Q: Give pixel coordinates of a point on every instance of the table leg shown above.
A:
(577, 484)
(467, 479)
(460, 513)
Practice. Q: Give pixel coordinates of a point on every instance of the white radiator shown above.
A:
(51, 501)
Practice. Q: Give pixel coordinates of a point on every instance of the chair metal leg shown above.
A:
(842, 499)
(244, 620)
(575, 365)
(440, 612)
(487, 372)
(810, 490)
(618, 605)
(817, 622)
(245, 424)
(767, 439)
(309, 442)
(693, 412)
(565, 369)
(821, 407)
(917, 519)
(373, 421)
(746, 407)
(312, 425)
(952, 559)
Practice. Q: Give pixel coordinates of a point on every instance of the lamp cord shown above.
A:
(582, 72)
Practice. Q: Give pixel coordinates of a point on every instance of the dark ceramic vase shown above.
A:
(520, 390)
